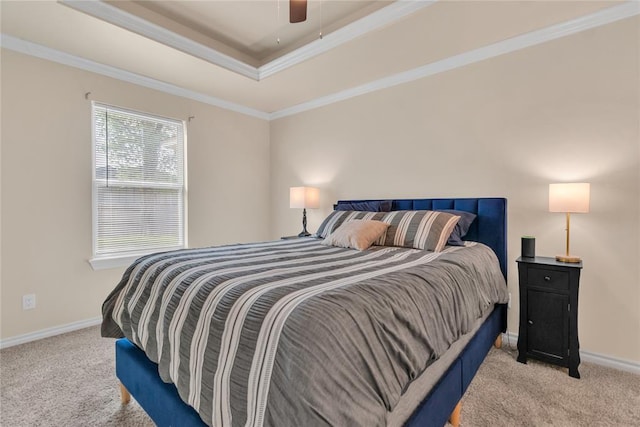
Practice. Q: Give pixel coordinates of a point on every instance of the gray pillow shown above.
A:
(462, 227)
(369, 206)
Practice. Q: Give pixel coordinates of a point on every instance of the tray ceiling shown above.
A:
(259, 30)
(216, 53)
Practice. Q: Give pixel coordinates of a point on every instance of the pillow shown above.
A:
(428, 230)
(462, 227)
(337, 218)
(370, 206)
(356, 234)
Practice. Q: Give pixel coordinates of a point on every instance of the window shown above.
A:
(138, 185)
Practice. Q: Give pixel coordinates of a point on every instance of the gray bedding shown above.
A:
(292, 333)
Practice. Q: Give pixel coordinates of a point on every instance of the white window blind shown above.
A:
(139, 184)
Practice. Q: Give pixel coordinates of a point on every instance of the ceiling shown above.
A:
(228, 50)
(258, 30)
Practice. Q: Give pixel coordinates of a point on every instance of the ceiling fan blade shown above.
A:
(297, 11)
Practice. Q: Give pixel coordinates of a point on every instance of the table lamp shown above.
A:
(304, 197)
(569, 198)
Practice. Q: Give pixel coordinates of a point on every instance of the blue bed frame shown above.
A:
(161, 400)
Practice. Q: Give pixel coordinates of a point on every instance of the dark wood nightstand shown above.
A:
(548, 328)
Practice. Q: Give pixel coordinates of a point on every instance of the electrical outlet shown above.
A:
(29, 301)
(509, 303)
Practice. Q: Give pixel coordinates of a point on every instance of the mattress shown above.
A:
(419, 388)
(255, 333)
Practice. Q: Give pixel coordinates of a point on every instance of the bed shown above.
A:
(433, 394)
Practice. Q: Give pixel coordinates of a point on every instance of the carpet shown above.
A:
(69, 380)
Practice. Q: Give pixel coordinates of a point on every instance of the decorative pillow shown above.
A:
(462, 227)
(370, 206)
(336, 218)
(356, 234)
(428, 230)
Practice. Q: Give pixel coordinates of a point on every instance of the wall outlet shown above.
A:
(509, 303)
(29, 301)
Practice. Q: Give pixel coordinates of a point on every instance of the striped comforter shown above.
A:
(293, 333)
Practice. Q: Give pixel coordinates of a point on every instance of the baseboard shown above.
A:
(49, 332)
(585, 356)
(591, 357)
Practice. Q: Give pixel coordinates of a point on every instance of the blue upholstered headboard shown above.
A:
(490, 227)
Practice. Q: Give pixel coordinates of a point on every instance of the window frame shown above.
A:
(124, 258)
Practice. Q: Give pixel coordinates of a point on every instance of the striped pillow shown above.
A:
(337, 218)
(418, 229)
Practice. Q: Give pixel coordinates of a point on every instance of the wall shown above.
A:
(46, 185)
(565, 110)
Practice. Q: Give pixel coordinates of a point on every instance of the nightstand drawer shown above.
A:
(545, 278)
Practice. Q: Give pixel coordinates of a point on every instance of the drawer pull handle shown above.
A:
(531, 322)
(547, 278)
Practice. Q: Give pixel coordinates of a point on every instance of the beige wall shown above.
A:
(46, 185)
(567, 110)
(562, 111)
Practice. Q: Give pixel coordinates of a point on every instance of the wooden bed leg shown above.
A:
(498, 342)
(454, 418)
(125, 397)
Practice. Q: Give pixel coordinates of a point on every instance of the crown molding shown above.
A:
(39, 51)
(380, 18)
(126, 20)
(597, 19)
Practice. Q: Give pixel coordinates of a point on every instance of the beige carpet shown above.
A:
(69, 381)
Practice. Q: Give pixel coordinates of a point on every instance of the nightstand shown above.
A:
(548, 328)
(290, 237)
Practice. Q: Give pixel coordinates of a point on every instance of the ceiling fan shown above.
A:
(297, 11)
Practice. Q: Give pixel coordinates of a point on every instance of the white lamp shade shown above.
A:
(304, 197)
(569, 197)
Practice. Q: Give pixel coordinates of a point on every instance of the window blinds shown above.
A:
(139, 185)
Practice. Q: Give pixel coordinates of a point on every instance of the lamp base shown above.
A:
(304, 234)
(568, 258)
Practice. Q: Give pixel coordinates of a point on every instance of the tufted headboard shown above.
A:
(490, 227)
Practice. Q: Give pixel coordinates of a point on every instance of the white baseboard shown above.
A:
(585, 356)
(49, 332)
(596, 358)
